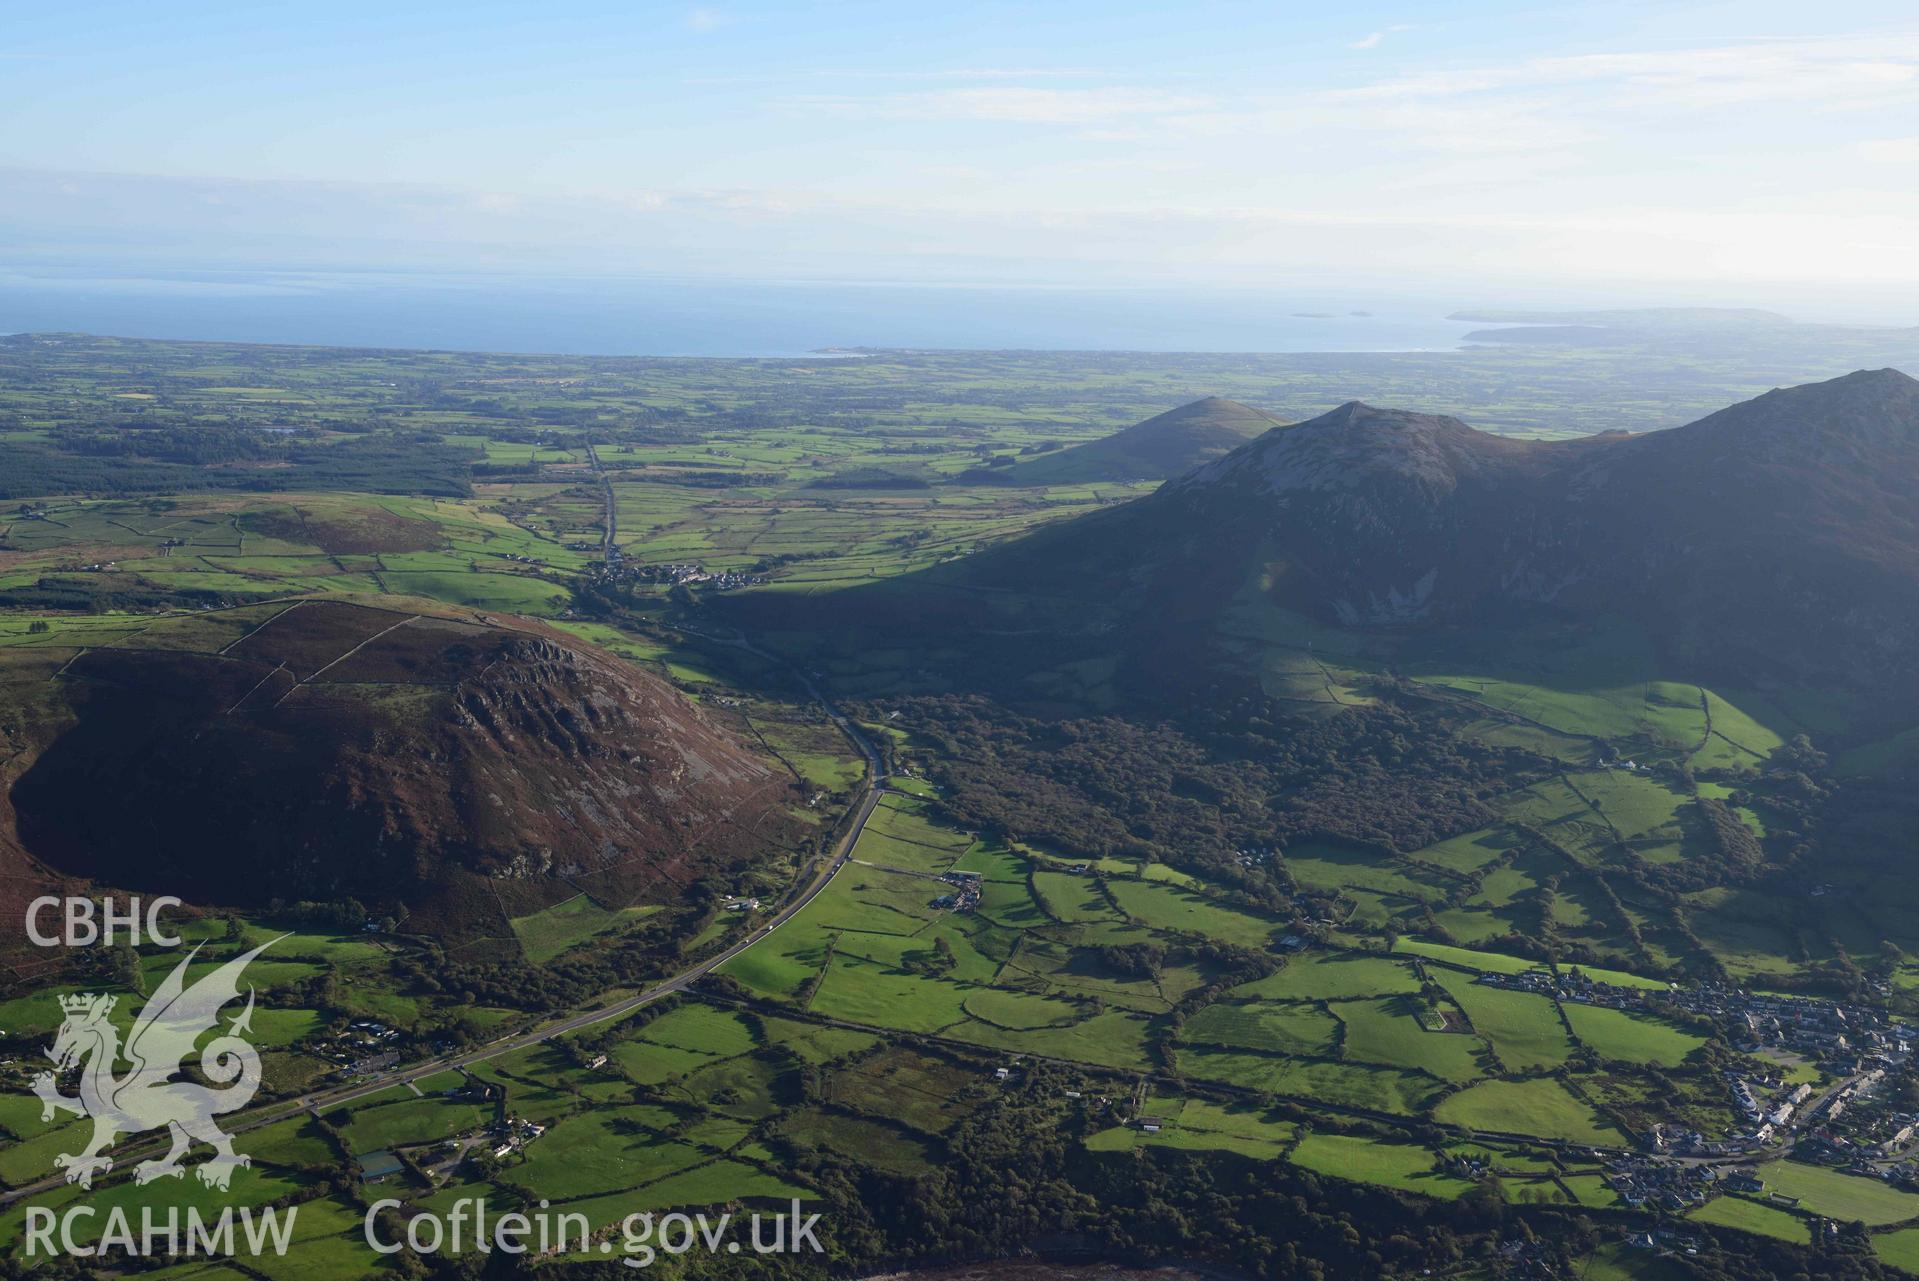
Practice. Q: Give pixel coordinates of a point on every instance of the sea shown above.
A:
(665, 316)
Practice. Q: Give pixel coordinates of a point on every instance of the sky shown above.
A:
(1725, 151)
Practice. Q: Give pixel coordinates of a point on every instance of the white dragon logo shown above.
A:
(163, 1036)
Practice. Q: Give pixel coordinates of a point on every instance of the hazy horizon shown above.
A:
(690, 316)
(1498, 155)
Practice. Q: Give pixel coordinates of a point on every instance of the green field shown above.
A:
(700, 1029)
(1618, 1034)
(1391, 1165)
(1166, 907)
(594, 1153)
(1272, 1029)
(1332, 976)
(1751, 1216)
(546, 934)
(405, 1120)
(1478, 962)
(1845, 1197)
(1346, 1084)
(1540, 1108)
(1900, 1249)
(1395, 1031)
(1524, 1029)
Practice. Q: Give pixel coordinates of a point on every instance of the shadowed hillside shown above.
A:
(1174, 442)
(1773, 541)
(467, 770)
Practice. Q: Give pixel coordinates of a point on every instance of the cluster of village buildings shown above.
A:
(366, 1047)
(504, 1135)
(966, 891)
(683, 574)
(1841, 1037)
(1852, 1125)
(1643, 1181)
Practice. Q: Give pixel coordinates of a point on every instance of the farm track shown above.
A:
(897, 871)
(277, 615)
(315, 673)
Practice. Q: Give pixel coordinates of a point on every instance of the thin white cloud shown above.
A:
(1836, 72)
(704, 19)
(1378, 38)
(1025, 105)
(1722, 160)
(1888, 151)
(1198, 232)
(1537, 105)
(842, 75)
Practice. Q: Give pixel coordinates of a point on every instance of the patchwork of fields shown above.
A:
(1046, 967)
(1158, 1008)
(897, 1005)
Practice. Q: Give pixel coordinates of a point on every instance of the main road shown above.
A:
(610, 522)
(321, 1100)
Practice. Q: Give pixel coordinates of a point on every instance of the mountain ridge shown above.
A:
(474, 771)
(1769, 541)
(1161, 446)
